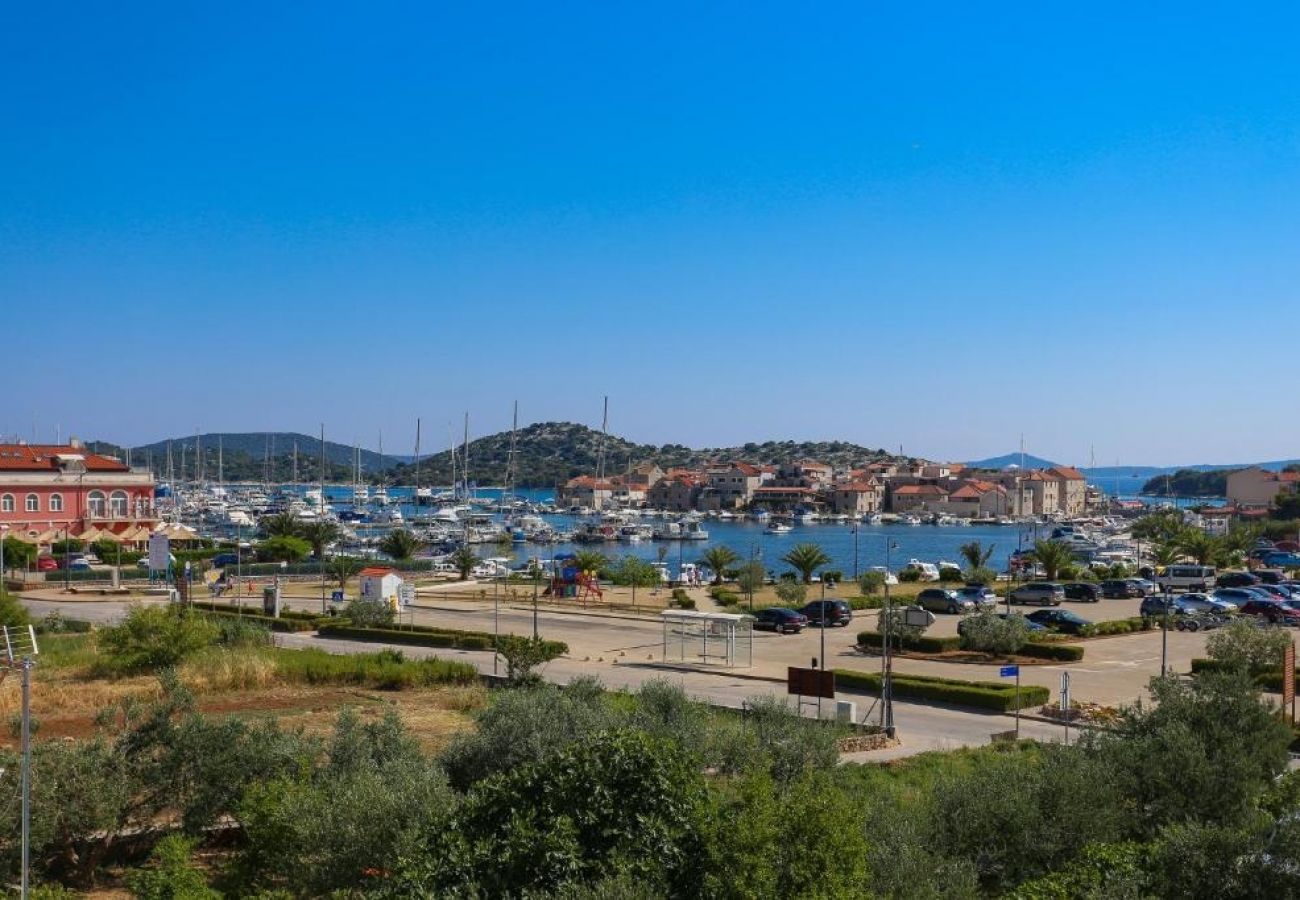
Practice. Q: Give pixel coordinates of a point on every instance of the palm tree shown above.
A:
(975, 554)
(717, 559)
(319, 534)
(1165, 554)
(342, 568)
(1053, 556)
(589, 561)
(464, 559)
(1200, 547)
(806, 558)
(284, 524)
(400, 544)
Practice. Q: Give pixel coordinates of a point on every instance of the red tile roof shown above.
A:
(376, 571)
(1069, 473)
(44, 458)
(929, 489)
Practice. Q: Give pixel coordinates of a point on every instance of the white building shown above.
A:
(380, 583)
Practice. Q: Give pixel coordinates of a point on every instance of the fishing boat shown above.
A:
(776, 526)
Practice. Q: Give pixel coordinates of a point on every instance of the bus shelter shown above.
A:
(708, 638)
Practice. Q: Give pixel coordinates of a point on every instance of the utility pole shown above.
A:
(324, 607)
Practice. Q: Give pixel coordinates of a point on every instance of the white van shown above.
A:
(1187, 578)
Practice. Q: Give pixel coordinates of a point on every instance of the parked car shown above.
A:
(46, 564)
(943, 600)
(1278, 591)
(75, 564)
(780, 619)
(981, 595)
(832, 612)
(1281, 559)
(1120, 588)
(1154, 606)
(1238, 596)
(1236, 580)
(1061, 620)
(1031, 626)
(221, 560)
(1270, 576)
(1044, 593)
(1271, 611)
(1204, 603)
(1145, 587)
(1083, 590)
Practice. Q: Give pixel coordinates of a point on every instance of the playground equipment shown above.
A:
(569, 582)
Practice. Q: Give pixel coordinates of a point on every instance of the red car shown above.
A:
(1272, 611)
(46, 564)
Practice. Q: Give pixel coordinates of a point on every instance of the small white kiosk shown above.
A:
(382, 584)
(708, 638)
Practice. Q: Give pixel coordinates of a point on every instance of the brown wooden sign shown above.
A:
(810, 682)
(1288, 680)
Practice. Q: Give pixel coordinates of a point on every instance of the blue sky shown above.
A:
(934, 225)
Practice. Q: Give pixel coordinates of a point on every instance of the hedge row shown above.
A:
(1270, 680)
(313, 567)
(253, 605)
(1118, 626)
(993, 695)
(923, 644)
(288, 625)
(1062, 652)
(423, 637)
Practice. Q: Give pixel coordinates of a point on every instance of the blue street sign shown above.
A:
(1009, 671)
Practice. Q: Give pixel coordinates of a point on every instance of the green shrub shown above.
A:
(57, 623)
(155, 637)
(792, 593)
(871, 583)
(949, 574)
(859, 603)
(1116, 626)
(685, 603)
(980, 694)
(832, 576)
(1243, 645)
(679, 594)
(726, 598)
(988, 632)
(909, 576)
(923, 644)
(171, 875)
(981, 575)
(365, 612)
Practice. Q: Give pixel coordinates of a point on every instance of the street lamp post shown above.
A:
(537, 575)
(886, 679)
(856, 526)
(67, 560)
(4, 534)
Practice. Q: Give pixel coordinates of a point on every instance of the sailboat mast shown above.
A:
(464, 462)
(604, 430)
(221, 471)
(198, 455)
(417, 461)
(322, 467)
(510, 461)
(295, 462)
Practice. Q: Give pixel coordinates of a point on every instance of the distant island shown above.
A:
(1188, 483)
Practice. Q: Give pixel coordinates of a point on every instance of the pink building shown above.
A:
(52, 488)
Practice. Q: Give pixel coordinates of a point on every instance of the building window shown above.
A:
(56, 503)
(117, 505)
(7, 503)
(95, 504)
(33, 503)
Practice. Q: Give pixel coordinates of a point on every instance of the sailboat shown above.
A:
(360, 493)
(380, 495)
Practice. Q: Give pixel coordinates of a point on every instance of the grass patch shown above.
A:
(385, 670)
(67, 651)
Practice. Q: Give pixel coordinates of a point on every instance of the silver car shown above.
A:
(1043, 593)
(980, 594)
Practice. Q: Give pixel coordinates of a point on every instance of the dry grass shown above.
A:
(229, 669)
